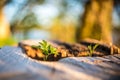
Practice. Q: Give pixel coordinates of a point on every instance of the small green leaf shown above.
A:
(47, 49)
(94, 47)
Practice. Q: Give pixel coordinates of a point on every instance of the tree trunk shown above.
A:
(4, 26)
(105, 20)
(97, 20)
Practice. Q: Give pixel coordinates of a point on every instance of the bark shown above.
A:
(105, 20)
(4, 26)
(97, 20)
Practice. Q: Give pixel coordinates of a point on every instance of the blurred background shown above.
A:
(64, 20)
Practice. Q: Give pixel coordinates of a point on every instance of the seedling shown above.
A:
(92, 49)
(46, 49)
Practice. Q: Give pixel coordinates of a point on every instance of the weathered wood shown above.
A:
(103, 47)
(15, 65)
(69, 50)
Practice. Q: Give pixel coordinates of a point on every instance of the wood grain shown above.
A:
(16, 65)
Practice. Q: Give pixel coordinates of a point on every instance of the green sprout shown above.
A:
(92, 49)
(46, 49)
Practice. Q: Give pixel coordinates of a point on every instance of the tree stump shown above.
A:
(16, 65)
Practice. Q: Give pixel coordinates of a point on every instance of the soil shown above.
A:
(71, 50)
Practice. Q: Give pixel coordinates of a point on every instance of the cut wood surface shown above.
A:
(16, 65)
(69, 50)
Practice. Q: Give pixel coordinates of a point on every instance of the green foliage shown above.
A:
(92, 49)
(47, 49)
(7, 42)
